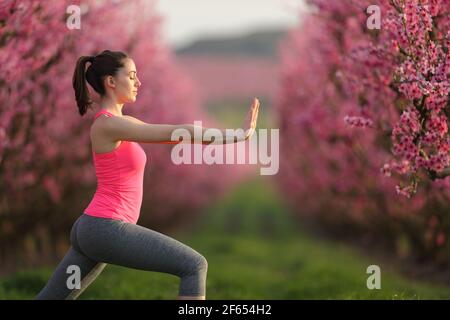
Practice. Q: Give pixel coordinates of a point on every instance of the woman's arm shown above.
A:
(209, 135)
(131, 129)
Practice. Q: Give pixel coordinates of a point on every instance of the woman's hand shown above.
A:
(249, 124)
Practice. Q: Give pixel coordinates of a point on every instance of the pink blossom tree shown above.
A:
(363, 104)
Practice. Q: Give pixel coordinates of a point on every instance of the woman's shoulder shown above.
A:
(102, 126)
(133, 119)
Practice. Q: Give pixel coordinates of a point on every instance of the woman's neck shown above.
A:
(112, 106)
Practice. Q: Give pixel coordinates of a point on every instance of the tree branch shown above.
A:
(433, 175)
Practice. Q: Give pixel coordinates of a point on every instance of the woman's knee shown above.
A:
(200, 264)
(195, 265)
(203, 263)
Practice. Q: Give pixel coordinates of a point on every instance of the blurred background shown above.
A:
(308, 232)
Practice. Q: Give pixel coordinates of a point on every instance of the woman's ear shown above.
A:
(109, 81)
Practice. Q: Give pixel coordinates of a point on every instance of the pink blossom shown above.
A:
(358, 121)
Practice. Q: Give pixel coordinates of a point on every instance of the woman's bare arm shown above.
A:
(131, 129)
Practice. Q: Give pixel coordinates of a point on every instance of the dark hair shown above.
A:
(106, 63)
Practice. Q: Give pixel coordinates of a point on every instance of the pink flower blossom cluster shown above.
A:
(358, 121)
(394, 82)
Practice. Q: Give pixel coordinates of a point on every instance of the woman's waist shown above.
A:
(112, 197)
(109, 217)
(118, 189)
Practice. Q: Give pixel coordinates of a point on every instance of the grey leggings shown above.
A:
(96, 242)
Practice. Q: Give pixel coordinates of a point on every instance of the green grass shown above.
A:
(254, 251)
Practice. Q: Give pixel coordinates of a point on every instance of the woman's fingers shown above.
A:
(255, 114)
(255, 110)
(255, 104)
(252, 116)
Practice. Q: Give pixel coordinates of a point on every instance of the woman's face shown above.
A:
(126, 82)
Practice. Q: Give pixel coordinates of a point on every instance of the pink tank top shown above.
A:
(120, 176)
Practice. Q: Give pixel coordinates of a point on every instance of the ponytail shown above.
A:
(79, 84)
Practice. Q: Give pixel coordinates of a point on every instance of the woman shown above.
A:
(107, 232)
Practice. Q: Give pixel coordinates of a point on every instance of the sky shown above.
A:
(188, 20)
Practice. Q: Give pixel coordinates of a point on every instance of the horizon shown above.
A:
(185, 23)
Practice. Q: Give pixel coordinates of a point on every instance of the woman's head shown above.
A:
(110, 73)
